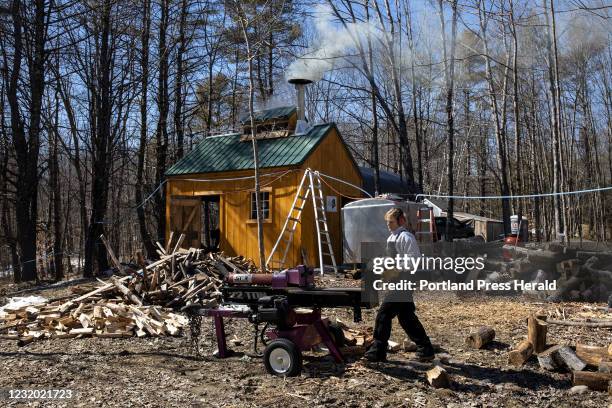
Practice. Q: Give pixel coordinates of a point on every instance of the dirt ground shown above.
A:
(165, 372)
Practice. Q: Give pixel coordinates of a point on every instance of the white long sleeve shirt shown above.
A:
(405, 242)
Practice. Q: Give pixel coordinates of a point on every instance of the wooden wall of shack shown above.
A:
(238, 233)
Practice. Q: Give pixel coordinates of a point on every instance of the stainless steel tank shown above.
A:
(363, 221)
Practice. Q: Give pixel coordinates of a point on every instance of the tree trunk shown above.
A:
(101, 150)
(142, 148)
(161, 134)
(449, 79)
(179, 125)
(27, 145)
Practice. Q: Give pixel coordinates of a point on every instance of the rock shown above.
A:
(578, 389)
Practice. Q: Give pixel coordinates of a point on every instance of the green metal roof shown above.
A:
(227, 153)
(283, 112)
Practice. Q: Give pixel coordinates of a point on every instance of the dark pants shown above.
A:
(408, 320)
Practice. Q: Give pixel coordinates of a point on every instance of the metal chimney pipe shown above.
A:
(300, 85)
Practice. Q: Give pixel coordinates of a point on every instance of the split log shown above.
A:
(437, 377)
(167, 248)
(141, 262)
(595, 381)
(84, 330)
(25, 340)
(111, 253)
(179, 242)
(592, 355)
(132, 297)
(568, 358)
(536, 333)
(521, 354)
(480, 338)
(547, 361)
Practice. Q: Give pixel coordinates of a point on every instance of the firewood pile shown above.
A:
(580, 275)
(590, 366)
(139, 304)
(110, 318)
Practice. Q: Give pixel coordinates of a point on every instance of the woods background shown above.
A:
(477, 98)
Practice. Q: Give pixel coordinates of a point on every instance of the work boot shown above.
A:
(425, 353)
(376, 353)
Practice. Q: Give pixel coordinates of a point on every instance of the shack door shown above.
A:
(186, 218)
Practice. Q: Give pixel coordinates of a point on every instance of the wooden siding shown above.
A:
(239, 234)
(331, 157)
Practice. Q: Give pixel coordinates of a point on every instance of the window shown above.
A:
(264, 201)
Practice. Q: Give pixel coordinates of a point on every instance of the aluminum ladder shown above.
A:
(310, 187)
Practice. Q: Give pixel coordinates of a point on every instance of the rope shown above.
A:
(337, 192)
(347, 183)
(591, 190)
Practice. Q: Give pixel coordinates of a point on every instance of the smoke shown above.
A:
(334, 44)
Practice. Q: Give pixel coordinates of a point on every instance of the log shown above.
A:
(141, 262)
(601, 324)
(592, 355)
(179, 242)
(536, 333)
(162, 250)
(25, 340)
(167, 248)
(547, 361)
(521, 354)
(481, 337)
(126, 292)
(87, 330)
(437, 377)
(595, 381)
(584, 256)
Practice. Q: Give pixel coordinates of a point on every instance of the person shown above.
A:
(401, 242)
